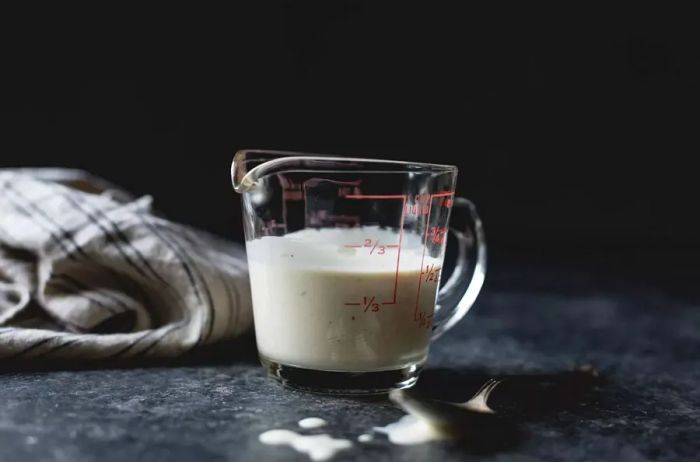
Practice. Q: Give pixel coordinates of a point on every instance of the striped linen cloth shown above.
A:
(88, 272)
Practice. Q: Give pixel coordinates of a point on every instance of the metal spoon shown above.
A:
(471, 418)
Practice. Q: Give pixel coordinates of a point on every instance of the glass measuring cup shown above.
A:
(345, 259)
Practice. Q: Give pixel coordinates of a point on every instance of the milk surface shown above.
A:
(343, 299)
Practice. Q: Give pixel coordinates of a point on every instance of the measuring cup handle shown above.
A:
(458, 294)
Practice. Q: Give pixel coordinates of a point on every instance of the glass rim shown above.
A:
(307, 156)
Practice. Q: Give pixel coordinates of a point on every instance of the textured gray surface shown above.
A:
(646, 343)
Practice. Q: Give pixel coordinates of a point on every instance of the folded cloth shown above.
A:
(88, 272)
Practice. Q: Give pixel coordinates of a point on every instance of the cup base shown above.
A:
(341, 382)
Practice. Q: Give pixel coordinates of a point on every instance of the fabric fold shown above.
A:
(88, 272)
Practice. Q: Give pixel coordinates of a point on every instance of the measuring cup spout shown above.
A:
(251, 165)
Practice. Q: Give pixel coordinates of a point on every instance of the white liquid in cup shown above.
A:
(343, 299)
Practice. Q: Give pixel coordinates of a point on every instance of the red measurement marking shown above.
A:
(344, 187)
(291, 195)
(431, 273)
(422, 203)
(416, 209)
(348, 187)
(424, 320)
(438, 235)
(403, 198)
(425, 242)
(322, 217)
(442, 194)
(376, 196)
(398, 257)
(373, 246)
(315, 181)
(368, 303)
(291, 191)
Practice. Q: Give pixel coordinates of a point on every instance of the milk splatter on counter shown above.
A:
(312, 422)
(317, 447)
(410, 430)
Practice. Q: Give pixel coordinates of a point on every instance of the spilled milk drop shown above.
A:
(317, 447)
(312, 422)
(411, 430)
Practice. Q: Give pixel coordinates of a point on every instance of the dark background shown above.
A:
(573, 129)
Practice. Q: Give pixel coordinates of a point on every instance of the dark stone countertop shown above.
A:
(644, 340)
